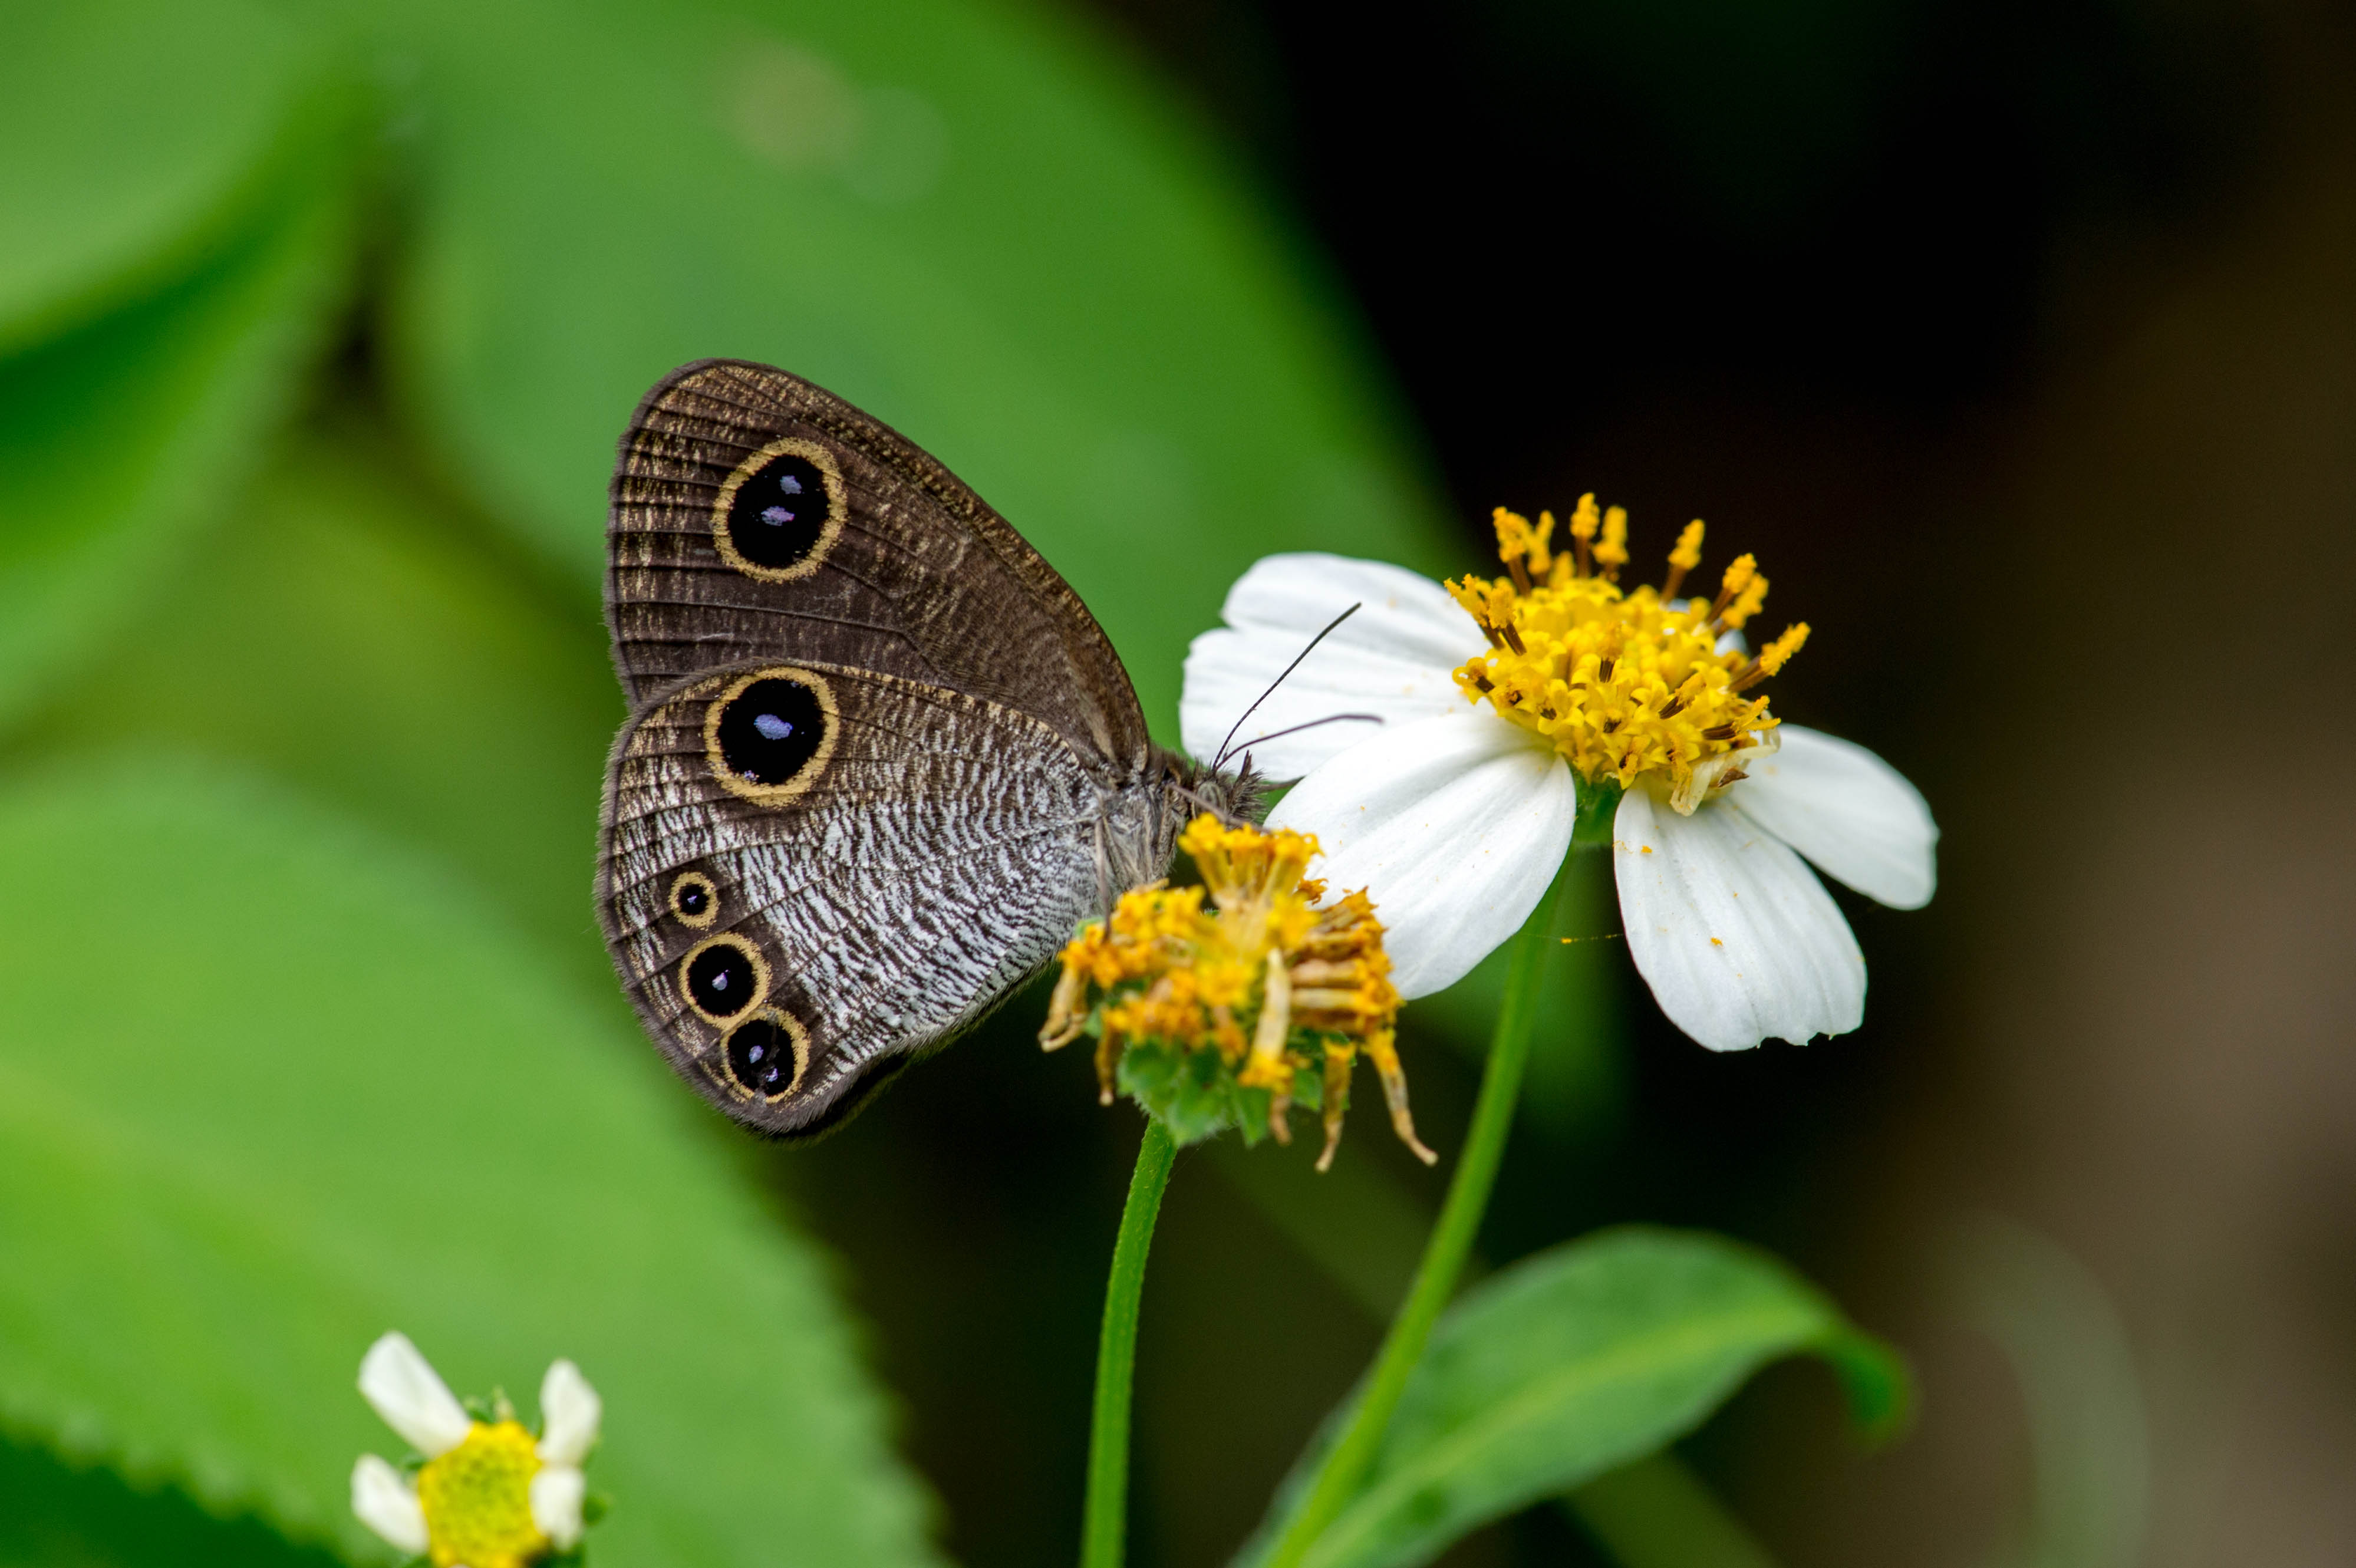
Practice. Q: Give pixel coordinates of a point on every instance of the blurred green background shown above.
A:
(2020, 342)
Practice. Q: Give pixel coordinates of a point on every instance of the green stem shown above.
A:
(1104, 1528)
(1444, 1254)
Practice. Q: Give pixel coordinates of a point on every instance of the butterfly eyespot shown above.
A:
(769, 734)
(780, 511)
(767, 1055)
(723, 978)
(695, 900)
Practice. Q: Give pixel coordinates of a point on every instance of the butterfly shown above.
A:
(879, 762)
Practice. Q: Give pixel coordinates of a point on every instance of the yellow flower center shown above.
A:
(1626, 683)
(478, 1500)
(1272, 983)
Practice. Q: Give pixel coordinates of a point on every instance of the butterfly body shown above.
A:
(881, 760)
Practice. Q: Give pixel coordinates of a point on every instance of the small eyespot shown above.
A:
(767, 1055)
(695, 900)
(723, 978)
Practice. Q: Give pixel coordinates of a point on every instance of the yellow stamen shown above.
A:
(1583, 519)
(1740, 597)
(1382, 1053)
(478, 1500)
(1613, 553)
(1269, 1068)
(1779, 652)
(1627, 683)
(1335, 1096)
(1682, 560)
(1521, 548)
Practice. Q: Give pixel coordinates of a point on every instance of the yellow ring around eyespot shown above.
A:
(760, 978)
(837, 505)
(795, 1030)
(712, 896)
(772, 794)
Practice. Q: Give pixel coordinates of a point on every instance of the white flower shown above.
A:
(387, 1503)
(1503, 704)
(489, 1495)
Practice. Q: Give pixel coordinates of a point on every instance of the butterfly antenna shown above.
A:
(1221, 760)
(1312, 724)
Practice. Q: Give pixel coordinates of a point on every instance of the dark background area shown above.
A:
(2017, 341)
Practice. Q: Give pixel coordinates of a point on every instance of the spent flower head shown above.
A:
(1523, 712)
(1230, 1003)
(488, 1492)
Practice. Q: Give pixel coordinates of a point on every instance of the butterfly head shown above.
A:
(1234, 795)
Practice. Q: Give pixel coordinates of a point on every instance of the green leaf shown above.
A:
(55, 1516)
(267, 1088)
(960, 215)
(1653, 1512)
(1569, 1363)
(132, 136)
(120, 440)
(349, 633)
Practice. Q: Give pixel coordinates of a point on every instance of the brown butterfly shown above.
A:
(880, 760)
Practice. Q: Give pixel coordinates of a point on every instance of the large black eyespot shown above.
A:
(694, 899)
(781, 515)
(768, 731)
(723, 978)
(766, 1055)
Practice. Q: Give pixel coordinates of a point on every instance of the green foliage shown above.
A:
(960, 215)
(1655, 1513)
(120, 440)
(358, 637)
(269, 1088)
(1570, 1363)
(138, 137)
(53, 1515)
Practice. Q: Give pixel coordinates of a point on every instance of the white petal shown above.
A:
(387, 1504)
(556, 1494)
(412, 1399)
(1738, 939)
(1454, 826)
(1394, 658)
(569, 1410)
(1844, 807)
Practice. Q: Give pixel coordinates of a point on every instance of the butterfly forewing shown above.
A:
(756, 515)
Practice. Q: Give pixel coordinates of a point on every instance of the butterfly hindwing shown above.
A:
(757, 516)
(813, 872)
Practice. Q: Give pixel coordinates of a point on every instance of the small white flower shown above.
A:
(387, 1503)
(489, 1495)
(404, 1390)
(1503, 704)
(569, 1413)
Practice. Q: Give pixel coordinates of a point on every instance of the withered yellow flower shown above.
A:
(1225, 1003)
